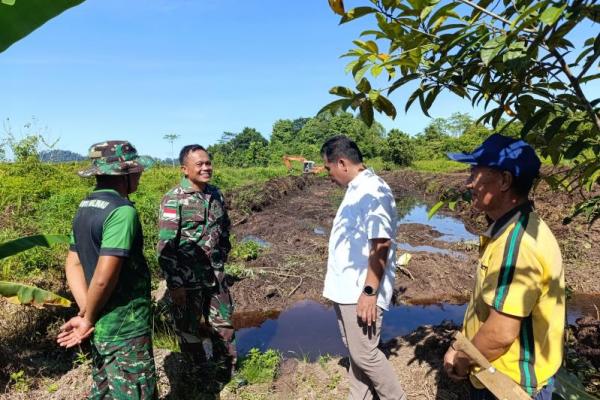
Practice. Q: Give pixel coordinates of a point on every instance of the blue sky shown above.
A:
(139, 69)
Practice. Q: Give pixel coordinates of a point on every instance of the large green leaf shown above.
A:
(357, 13)
(16, 246)
(342, 91)
(366, 112)
(568, 387)
(18, 18)
(18, 293)
(492, 48)
(552, 14)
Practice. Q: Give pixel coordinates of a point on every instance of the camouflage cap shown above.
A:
(115, 157)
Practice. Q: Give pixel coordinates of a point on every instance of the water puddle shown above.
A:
(309, 329)
(430, 249)
(579, 305)
(260, 242)
(319, 230)
(452, 229)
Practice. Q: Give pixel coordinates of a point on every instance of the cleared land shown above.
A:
(294, 214)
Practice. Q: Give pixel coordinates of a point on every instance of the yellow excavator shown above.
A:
(308, 167)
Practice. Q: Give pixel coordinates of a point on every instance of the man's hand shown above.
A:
(456, 365)
(74, 331)
(366, 309)
(178, 296)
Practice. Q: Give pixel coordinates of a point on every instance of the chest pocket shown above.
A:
(216, 210)
(194, 219)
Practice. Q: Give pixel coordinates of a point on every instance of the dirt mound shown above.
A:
(587, 333)
(252, 198)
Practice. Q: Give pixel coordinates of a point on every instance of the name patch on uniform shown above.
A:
(102, 204)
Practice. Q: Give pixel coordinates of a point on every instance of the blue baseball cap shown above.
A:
(503, 153)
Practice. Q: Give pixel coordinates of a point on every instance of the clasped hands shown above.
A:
(75, 331)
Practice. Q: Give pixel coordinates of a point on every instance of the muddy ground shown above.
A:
(294, 216)
(415, 357)
(293, 267)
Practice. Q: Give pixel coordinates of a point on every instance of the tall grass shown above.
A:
(438, 166)
(43, 198)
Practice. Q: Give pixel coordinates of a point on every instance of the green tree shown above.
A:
(244, 139)
(432, 142)
(26, 149)
(256, 155)
(519, 59)
(239, 149)
(400, 150)
(283, 131)
(316, 131)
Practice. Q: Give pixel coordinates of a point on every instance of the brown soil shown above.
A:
(294, 215)
(415, 357)
(293, 268)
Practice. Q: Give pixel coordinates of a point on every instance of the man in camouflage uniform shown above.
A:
(109, 278)
(192, 249)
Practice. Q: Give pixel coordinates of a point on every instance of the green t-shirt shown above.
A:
(126, 314)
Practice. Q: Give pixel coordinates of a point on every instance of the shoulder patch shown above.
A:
(169, 212)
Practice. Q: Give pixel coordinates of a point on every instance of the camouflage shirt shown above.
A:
(193, 238)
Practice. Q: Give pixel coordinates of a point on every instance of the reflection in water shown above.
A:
(253, 319)
(310, 329)
(452, 229)
(579, 305)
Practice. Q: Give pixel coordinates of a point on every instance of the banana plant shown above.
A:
(568, 387)
(18, 18)
(18, 293)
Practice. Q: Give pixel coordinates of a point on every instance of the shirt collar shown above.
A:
(358, 178)
(187, 187)
(497, 227)
(107, 190)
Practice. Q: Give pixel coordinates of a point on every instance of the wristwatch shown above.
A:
(369, 290)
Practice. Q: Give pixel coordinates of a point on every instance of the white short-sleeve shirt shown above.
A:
(368, 211)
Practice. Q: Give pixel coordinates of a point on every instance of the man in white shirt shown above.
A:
(360, 268)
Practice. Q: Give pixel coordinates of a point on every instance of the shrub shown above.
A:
(257, 367)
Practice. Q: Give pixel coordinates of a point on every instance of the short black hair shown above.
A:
(186, 150)
(341, 146)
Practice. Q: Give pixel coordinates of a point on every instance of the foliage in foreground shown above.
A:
(30, 295)
(520, 60)
(19, 18)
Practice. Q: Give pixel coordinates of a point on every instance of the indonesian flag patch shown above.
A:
(169, 213)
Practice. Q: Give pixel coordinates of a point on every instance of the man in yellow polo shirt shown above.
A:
(516, 313)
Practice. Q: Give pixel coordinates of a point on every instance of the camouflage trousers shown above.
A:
(207, 314)
(124, 370)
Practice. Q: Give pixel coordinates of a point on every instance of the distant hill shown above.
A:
(60, 156)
